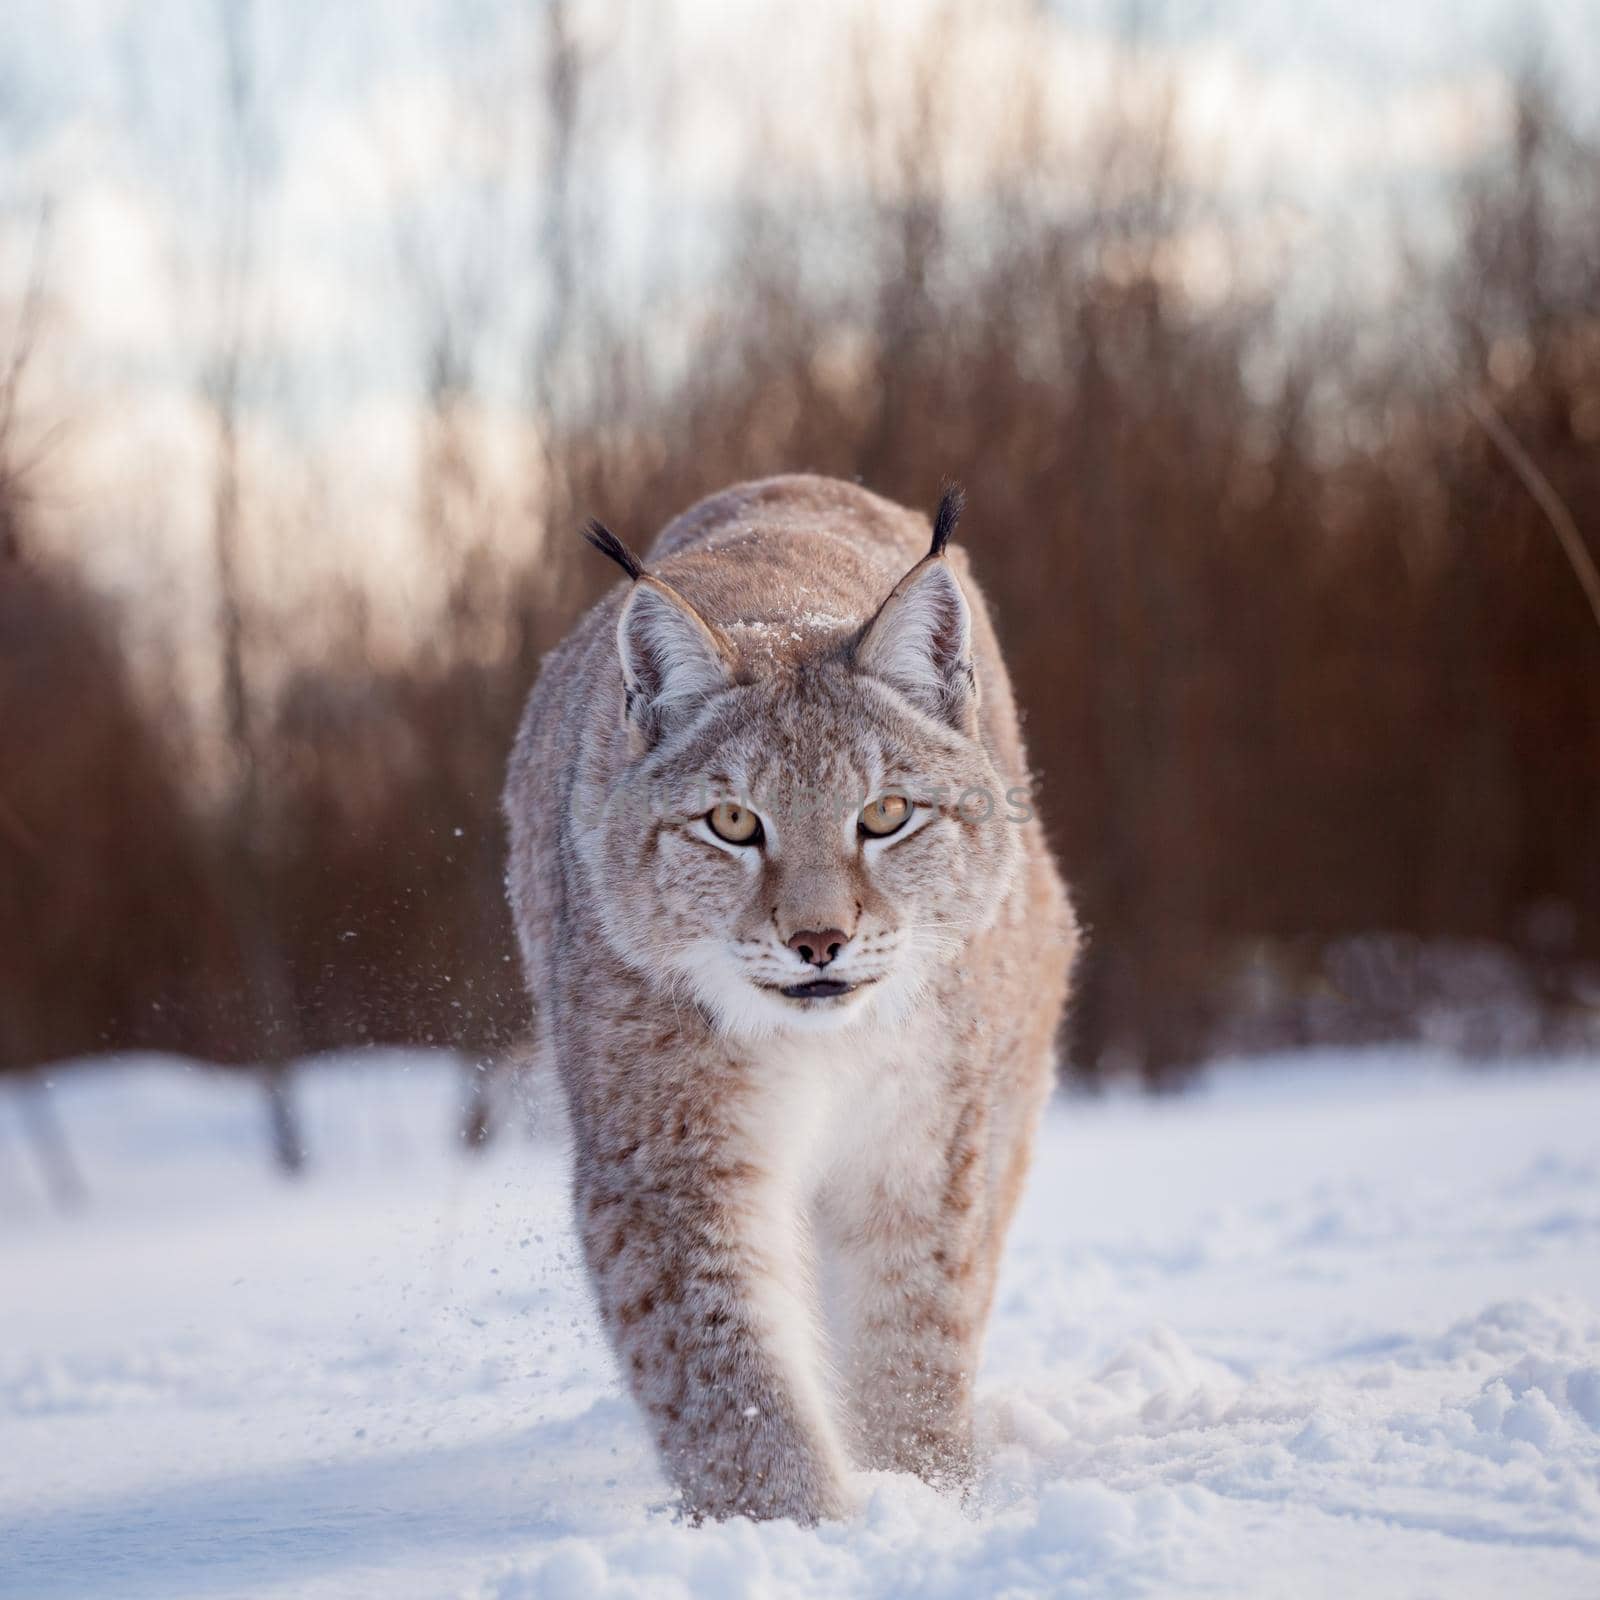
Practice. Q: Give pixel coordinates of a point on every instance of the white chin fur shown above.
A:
(744, 1010)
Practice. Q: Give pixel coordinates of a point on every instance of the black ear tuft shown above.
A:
(608, 544)
(951, 504)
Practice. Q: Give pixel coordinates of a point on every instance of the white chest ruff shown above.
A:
(843, 1117)
(849, 1130)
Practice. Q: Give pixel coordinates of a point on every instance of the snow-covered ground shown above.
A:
(1329, 1327)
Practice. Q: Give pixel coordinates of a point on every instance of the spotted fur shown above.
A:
(792, 1211)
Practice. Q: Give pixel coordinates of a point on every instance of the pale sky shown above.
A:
(395, 146)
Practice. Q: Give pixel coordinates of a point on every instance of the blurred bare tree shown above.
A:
(243, 847)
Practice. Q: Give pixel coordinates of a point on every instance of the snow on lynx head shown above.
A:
(798, 825)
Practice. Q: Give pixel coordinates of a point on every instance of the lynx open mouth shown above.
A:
(818, 989)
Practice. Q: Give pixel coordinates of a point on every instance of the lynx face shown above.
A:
(718, 904)
(799, 848)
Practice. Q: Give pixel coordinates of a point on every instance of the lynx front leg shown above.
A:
(712, 1328)
(906, 1269)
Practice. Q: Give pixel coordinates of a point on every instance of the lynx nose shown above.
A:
(818, 947)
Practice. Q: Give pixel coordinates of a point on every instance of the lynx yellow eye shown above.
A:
(735, 823)
(888, 814)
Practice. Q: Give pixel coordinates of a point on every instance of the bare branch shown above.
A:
(1561, 520)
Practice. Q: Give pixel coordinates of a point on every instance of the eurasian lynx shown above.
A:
(798, 949)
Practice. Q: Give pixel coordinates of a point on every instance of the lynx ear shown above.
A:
(920, 642)
(673, 660)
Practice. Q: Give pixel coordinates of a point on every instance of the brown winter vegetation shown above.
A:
(1302, 657)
